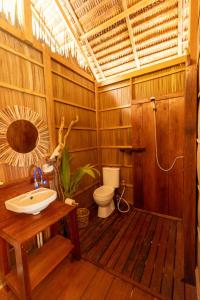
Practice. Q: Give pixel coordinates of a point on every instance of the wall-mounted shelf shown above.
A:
(132, 149)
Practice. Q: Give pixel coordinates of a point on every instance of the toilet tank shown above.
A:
(111, 177)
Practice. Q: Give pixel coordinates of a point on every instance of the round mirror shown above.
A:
(22, 136)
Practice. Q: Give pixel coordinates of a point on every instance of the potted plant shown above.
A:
(70, 182)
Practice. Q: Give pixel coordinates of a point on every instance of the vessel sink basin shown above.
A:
(32, 202)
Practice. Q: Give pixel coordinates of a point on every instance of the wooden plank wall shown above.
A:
(156, 190)
(75, 95)
(198, 163)
(21, 83)
(115, 131)
(147, 186)
(36, 78)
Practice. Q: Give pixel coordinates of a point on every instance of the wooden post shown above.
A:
(189, 205)
(23, 272)
(74, 235)
(49, 97)
(28, 21)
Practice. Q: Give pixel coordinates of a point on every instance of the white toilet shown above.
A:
(103, 196)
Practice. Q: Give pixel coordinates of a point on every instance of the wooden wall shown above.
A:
(147, 186)
(198, 163)
(32, 76)
(74, 95)
(21, 83)
(115, 131)
(156, 190)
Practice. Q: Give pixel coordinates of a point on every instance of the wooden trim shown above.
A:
(189, 199)
(49, 98)
(159, 215)
(119, 86)
(83, 149)
(159, 98)
(28, 21)
(116, 127)
(12, 30)
(116, 147)
(78, 128)
(117, 107)
(22, 90)
(193, 34)
(118, 165)
(73, 104)
(2, 46)
(197, 279)
(72, 80)
(86, 188)
(97, 126)
(63, 61)
(160, 75)
(144, 71)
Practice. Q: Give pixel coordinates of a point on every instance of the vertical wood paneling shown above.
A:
(163, 137)
(21, 78)
(115, 112)
(148, 159)
(176, 133)
(74, 95)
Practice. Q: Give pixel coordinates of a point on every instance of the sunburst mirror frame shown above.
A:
(8, 155)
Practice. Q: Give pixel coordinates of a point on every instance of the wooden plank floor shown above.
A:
(81, 280)
(141, 248)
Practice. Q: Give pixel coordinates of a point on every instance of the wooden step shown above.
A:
(42, 261)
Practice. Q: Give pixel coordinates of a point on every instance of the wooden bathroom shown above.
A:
(99, 154)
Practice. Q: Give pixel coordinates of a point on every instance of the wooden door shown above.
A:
(154, 189)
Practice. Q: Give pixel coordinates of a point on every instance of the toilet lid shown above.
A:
(104, 189)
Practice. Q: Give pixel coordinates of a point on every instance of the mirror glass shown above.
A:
(22, 136)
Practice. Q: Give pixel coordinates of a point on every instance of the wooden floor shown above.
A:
(141, 248)
(135, 256)
(81, 280)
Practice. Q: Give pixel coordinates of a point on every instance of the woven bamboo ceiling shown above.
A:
(116, 36)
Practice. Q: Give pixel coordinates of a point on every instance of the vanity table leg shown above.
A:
(74, 234)
(23, 272)
(4, 265)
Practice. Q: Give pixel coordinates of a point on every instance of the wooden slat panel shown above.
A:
(163, 137)
(149, 180)
(176, 133)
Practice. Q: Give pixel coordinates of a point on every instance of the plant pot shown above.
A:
(83, 217)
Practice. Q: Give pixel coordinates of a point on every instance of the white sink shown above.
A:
(32, 202)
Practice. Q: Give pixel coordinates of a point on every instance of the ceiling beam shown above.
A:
(75, 36)
(124, 14)
(180, 27)
(71, 11)
(131, 35)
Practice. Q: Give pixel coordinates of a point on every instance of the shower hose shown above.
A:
(121, 199)
(156, 145)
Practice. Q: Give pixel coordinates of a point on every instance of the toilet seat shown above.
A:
(103, 191)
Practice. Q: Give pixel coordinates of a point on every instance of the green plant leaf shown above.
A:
(70, 182)
(65, 171)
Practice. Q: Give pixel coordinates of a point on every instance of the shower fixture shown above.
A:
(153, 101)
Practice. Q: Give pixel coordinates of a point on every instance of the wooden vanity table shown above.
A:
(31, 269)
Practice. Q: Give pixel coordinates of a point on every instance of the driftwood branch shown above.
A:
(69, 129)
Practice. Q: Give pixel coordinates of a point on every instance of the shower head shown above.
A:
(153, 100)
